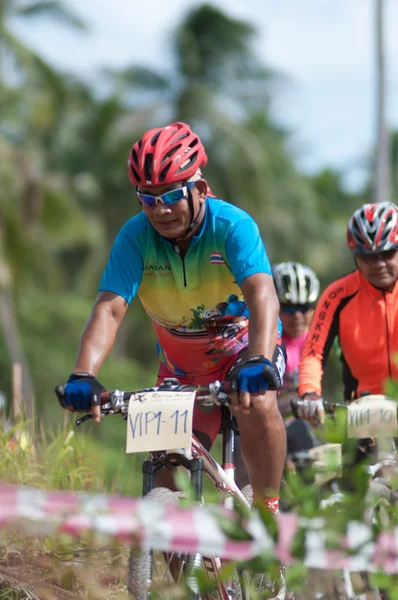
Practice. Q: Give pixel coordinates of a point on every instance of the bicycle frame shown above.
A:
(198, 460)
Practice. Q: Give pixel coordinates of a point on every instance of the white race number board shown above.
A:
(370, 416)
(159, 421)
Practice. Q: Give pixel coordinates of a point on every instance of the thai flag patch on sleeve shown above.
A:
(216, 259)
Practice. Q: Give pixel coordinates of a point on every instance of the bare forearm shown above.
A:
(96, 342)
(263, 328)
(263, 305)
(99, 333)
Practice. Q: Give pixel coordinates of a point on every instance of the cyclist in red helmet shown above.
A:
(361, 309)
(199, 266)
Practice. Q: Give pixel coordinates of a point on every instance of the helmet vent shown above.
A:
(163, 172)
(171, 152)
(155, 138)
(187, 164)
(148, 167)
(137, 177)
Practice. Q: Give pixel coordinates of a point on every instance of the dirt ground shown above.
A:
(30, 572)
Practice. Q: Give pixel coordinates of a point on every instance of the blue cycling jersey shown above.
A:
(195, 301)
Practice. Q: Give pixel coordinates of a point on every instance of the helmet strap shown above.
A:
(194, 220)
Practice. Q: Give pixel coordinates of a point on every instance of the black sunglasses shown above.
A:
(291, 309)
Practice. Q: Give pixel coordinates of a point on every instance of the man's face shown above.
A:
(172, 220)
(380, 269)
(295, 319)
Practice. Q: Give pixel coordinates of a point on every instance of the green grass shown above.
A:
(67, 459)
(90, 458)
(71, 459)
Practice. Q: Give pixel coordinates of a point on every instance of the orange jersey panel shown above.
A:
(365, 320)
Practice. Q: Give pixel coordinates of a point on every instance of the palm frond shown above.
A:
(51, 9)
(32, 64)
(138, 77)
(103, 118)
(209, 42)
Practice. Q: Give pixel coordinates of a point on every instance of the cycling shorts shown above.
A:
(206, 425)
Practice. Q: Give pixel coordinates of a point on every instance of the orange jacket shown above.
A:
(365, 320)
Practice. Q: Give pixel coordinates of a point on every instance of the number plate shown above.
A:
(159, 421)
(372, 416)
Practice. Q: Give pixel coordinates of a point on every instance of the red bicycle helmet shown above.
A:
(165, 155)
(373, 228)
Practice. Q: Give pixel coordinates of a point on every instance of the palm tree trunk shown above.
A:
(382, 163)
(14, 348)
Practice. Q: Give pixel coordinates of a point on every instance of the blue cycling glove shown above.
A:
(256, 375)
(82, 391)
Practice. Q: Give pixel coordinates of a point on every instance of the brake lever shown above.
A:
(90, 416)
(329, 407)
(83, 419)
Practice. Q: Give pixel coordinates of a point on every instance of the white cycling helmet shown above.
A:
(295, 283)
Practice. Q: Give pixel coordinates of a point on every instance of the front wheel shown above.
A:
(150, 571)
(153, 574)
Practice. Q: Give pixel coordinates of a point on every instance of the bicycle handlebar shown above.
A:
(329, 407)
(117, 401)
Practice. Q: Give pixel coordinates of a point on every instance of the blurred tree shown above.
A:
(25, 105)
(39, 219)
(12, 246)
(16, 59)
(394, 166)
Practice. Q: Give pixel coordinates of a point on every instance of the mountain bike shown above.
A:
(372, 422)
(170, 405)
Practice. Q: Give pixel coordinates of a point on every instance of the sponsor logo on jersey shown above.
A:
(162, 267)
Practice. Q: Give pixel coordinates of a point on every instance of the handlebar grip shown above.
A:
(104, 397)
(229, 387)
(60, 392)
(328, 407)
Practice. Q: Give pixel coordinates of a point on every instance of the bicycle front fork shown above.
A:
(151, 466)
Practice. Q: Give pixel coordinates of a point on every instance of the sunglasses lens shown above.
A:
(174, 195)
(147, 199)
(291, 309)
(385, 255)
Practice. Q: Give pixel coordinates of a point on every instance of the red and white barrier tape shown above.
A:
(169, 527)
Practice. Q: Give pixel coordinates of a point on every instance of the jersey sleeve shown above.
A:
(123, 273)
(323, 330)
(245, 250)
